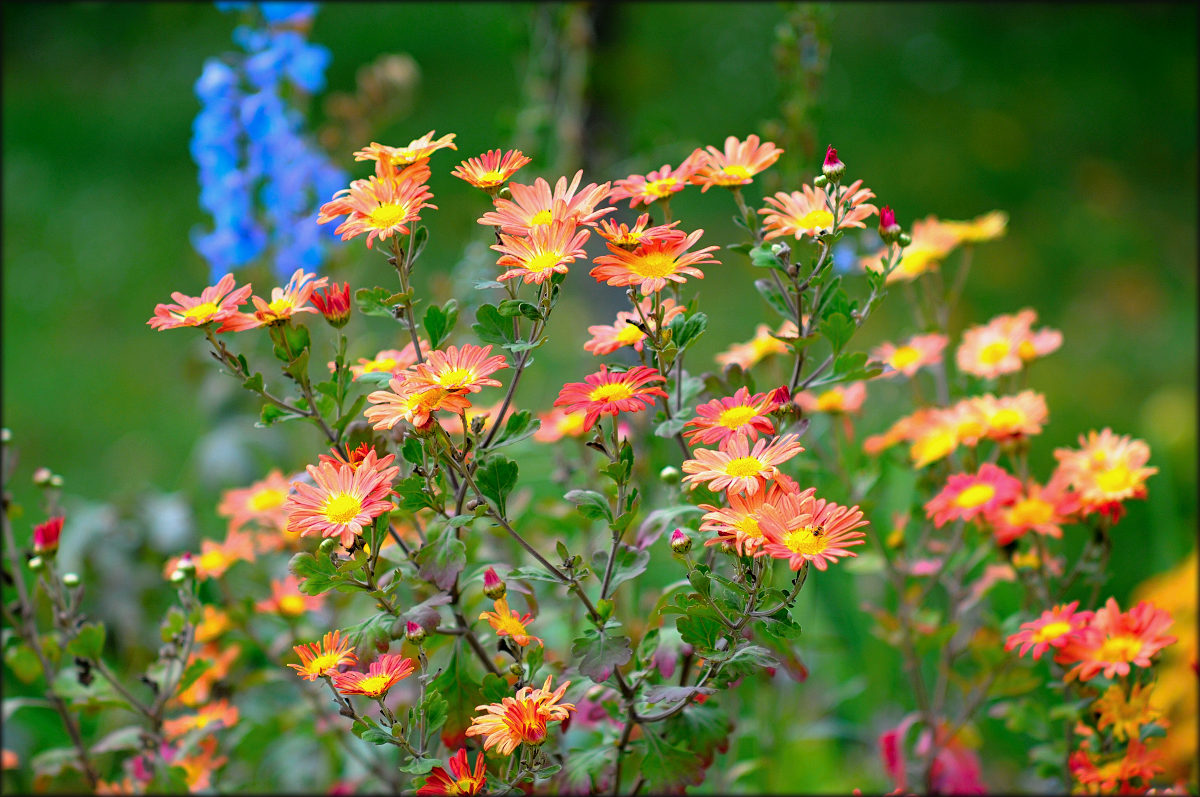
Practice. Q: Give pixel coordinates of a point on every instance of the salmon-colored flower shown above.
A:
(734, 166)
(1004, 345)
(510, 623)
(740, 524)
(534, 205)
(380, 206)
(660, 184)
(641, 232)
(287, 600)
(521, 719)
(200, 765)
(987, 227)
(720, 419)
(542, 252)
(651, 265)
(838, 399)
(285, 302)
(416, 405)
(1042, 510)
(737, 468)
(910, 356)
(343, 501)
(807, 212)
(970, 495)
(1106, 470)
(1051, 630)
(626, 331)
(217, 557)
(457, 370)
(1113, 641)
(491, 170)
(214, 623)
(220, 659)
(324, 657)
(610, 393)
(1011, 417)
(1112, 775)
(215, 303)
(931, 242)
(388, 360)
(261, 503)
(382, 674)
(762, 345)
(459, 780)
(219, 711)
(418, 149)
(802, 529)
(557, 424)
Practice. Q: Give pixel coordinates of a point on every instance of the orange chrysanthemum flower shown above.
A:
(625, 332)
(737, 165)
(343, 500)
(1106, 470)
(1051, 630)
(838, 399)
(199, 766)
(970, 495)
(406, 402)
(287, 600)
(987, 227)
(324, 657)
(459, 780)
(660, 184)
(457, 370)
(1115, 775)
(508, 622)
(557, 424)
(762, 345)
(217, 557)
(220, 659)
(1010, 417)
(520, 719)
(740, 524)
(931, 242)
(285, 302)
(380, 207)
(720, 419)
(737, 468)
(802, 528)
(418, 149)
(1042, 510)
(215, 303)
(545, 250)
(219, 711)
(383, 673)
(807, 212)
(1004, 345)
(534, 205)
(641, 232)
(912, 355)
(653, 264)
(214, 623)
(391, 361)
(610, 393)
(1126, 714)
(260, 503)
(1112, 641)
(491, 170)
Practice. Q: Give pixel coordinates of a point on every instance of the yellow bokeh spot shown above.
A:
(1124, 647)
(1006, 418)
(993, 353)
(384, 364)
(1051, 631)
(1116, 479)
(267, 498)
(1031, 512)
(293, 605)
(831, 401)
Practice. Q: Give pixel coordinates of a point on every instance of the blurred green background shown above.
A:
(1078, 120)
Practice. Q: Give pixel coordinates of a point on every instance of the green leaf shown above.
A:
(317, 576)
(416, 244)
(590, 504)
(597, 652)
(770, 291)
(193, 671)
(376, 379)
(370, 634)
(461, 693)
(684, 330)
(591, 759)
(88, 643)
(350, 414)
(518, 427)
(23, 662)
(442, 558)
(701, 628)
(667, 767)
(762, 257)
(254, 383)
(524, 345)
(419, 766)
(495, 688)
(491, 327)
(838, 329)
(670, 427)
(375, 736)
(439, 322)
(496, 478)
(414, 494)
(412, 451)
(702, 728)
(532, 573)
(273, 414)
(374, 301)
(629, 563)
(436, 710)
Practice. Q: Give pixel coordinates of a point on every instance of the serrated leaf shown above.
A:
(837, 329)
(701, 628)
(419, 766)
(88, 643)
(441, 558)
(629, 563)
(414, 494)
(519, 426)
(495, 688)
(412, 451)
(374, 301)
(667, 767)
(376, 736)
(317, 576)
(670, 427)
(436, 710)
(461, 692)
(590, 504)
(496, 478)
(439, 322)
(597, 652)
(490, 326)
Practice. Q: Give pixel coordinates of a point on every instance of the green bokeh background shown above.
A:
(1078, 120)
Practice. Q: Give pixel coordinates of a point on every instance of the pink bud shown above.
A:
(414, 632)
(493, 587)
(45, 536)
(889, 230)
(680, 542)
(833, 168)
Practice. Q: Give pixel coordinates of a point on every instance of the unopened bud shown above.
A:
(56, 481)
(681, 543)
(904, 239)
(334, 304)
(70, 579)
(178, 576)
(5, 435)
(493, 585)
(326, 545)
(36, 564)
(42, 476)
(516, 669)
(504, 193)
(820, 181)
(669, 475)
(186, 565)
(833, 168)
(414, 633)
(889, 230)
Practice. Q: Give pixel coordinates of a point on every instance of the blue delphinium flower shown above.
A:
(262, 178)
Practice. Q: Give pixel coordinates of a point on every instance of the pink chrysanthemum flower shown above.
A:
(557, 424)
(406, 402)
(653, 264)
(1106, 470)
(931, 242)
(1004, 345)
(1010, 417)
(1051, 630)
(460, 780)
(802, 529)
(285, 302)
(215, 303)
(843, 399)
(382, 674)
(287, 600)
(740, 524)
(324, 657)
(641, 232)
(970, 495)
(720, 419)
(418, 149)
(508, 622)
(544, 251)
(380, 207)
(343, 502)
(764, 344)
(737, 165)
(534, 205)
(260, 503)
(737, 468)
(605, 393)
(490, 171)
(660, 184)
(608, 338)
(521, 719)
(391, 361)
(1113, 641)
(456, 370)
(912, 355)
(806, 212)
(1042, 510)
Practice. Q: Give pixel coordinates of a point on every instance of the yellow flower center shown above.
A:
(404, 156)
(904, 357)
(490, 178)
(281, 306)
(387, 215)
(1031, 512)
(661, 188)
(767, 345)
(266, 498)
(1006, 418)
(917, 260)
(1120, 648)
(1051, 631)
(1025, 559)
(292, 605)
(933, 447)
(831, 401)
(654, 264)
(202, 720)
(214, 561)
(1026, 351)
(463, 786)
(341, 508)
(744, 466)
(807, 540)
(1116, 479)
(993, 353)
(541, 217)
(975, 495)
(510, 625)
(202, 311)
(817, 219)
(323, 662)
(456, 378)
(629, 335)
(375, 684)
(543, 261)
(614, 391)
(572, 424)
(736, 417)
(749, 527)
(736, 171)
(385, 364)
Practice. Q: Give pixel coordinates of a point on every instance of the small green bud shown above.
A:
(516, 669)
(326, 545)
(905, 239)
(178, 576)
(414, 633)
(36, 564)
(820, 181)
(70, 579)
(504, 193)
(56, 481)
(669, 475)
(681, 543)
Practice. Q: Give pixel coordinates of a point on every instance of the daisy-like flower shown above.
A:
(456, 370)
(641, 232)
(1051, 630)
(1112, 641)
(215, 303)
(737, 468)
(380, 207)
(261, 503)
(931, 242)
(608, 338)
(734, 166)
(491, 170)
(214, 623)
(521, 719)
(199, 766)
(285, 302)
(287, 600)
(970, 495)
(220, 661)
(606, 393)
(660, 184)
(1010, 417)
(720, 419)
(418, 149)
(534, 205)
(1126, 714)
(740, 524)
(544, 251)
(461, 779)
(217, 557)
(343, 501)
(508, 622)
(1004, 345)
(838, 399)
(383, 673)
(806, 212)
(1116, 775)
(803, 529)
(653, 264)
(324, 657)
(762, 345)
(220, 712)
(557, 424)
(388, 360)
(404, 402)
(987, 227)
(1106, 470)
(910, 356)
(1042, 510)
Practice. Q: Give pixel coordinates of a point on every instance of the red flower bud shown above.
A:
(680, 542)
(833, 168)
(493, 587)
(334, 304)
(889, 230)
(45, 536)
